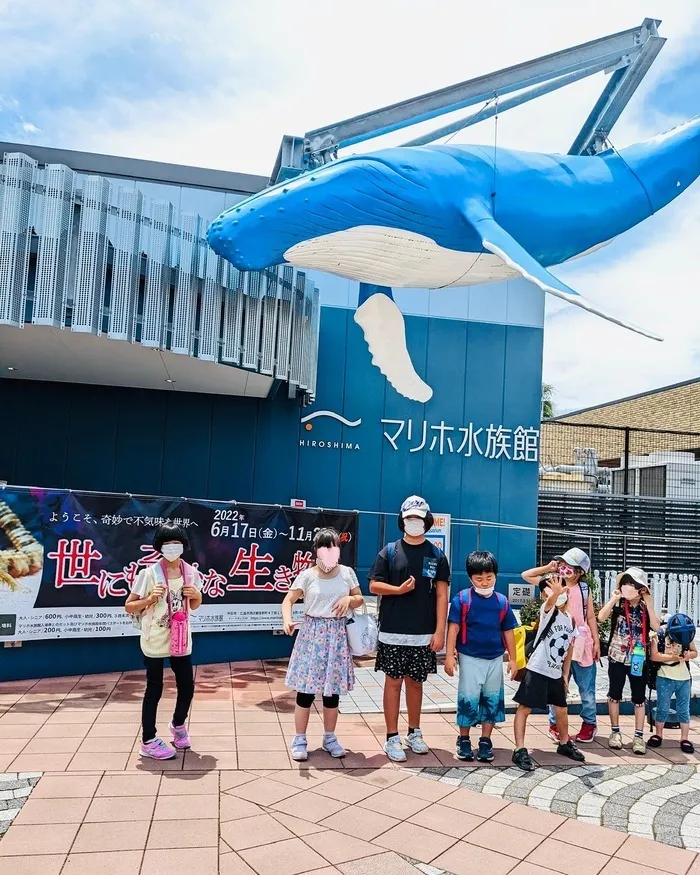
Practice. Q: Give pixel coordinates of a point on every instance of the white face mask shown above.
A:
(562, 600)
(414, 527)
(171, 552)
(484, 591)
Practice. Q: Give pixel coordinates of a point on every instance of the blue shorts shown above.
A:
(480, 696)
(665, 689)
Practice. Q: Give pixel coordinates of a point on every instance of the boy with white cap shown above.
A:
(633, 618)
(572, 567)
(412, 576)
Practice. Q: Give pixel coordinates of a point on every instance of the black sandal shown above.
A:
(687, 746)
(655, 741)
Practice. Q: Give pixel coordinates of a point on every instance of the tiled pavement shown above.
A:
(237, 804)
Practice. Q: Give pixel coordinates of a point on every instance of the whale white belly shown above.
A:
(396, 258)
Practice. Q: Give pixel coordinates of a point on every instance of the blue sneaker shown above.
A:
(464, 748)
(485, 752)
(332, 746)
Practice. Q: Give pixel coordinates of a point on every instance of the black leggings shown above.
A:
(184, 678)
(305, 700)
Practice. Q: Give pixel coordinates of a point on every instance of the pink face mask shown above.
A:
(327, 558)
(566, 571)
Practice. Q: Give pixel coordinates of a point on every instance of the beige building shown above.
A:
(652, 417)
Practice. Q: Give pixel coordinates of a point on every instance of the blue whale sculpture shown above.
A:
(440, 216)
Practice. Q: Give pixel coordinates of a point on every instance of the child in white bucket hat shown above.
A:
(633, 618)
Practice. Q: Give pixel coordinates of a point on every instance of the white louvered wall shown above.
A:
(105, 258)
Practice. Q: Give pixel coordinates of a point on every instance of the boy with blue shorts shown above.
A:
(480, 629)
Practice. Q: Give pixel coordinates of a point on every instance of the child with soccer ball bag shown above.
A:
(546, 680)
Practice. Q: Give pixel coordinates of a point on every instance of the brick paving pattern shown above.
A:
(237, 804)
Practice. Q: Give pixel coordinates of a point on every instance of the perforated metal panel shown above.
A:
(158, 271)
(252, 317)
(284, 322)
(269, 322)
(185, 300)
(297, 339)
(91, 259)
(233, 315)
(54, 219)
(126, 265)
(312, 341)
(18, 176)
(96, 245)
(210, 315)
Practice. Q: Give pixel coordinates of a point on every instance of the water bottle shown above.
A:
(637, 663)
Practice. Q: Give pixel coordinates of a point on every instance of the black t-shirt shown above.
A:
(414, 613)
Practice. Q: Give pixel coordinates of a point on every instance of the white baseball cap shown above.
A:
(415, 506)
(576, 559)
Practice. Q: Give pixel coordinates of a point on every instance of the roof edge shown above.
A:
(138, 168)
(623, 400)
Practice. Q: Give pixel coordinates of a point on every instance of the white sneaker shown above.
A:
(394, 749)
(416, 743)
(299, 749)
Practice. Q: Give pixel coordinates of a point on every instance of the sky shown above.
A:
(217, 84)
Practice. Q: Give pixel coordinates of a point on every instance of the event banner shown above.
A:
(68, 560)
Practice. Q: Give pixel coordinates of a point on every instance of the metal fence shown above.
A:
(611, 460)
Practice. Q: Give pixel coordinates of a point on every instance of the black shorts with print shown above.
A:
(398, 661)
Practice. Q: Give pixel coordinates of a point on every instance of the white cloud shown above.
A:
(263, 69)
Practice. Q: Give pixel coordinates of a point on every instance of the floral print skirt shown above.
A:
(321, 662)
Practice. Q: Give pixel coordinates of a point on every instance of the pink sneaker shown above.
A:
(181, 737)
(158, 750)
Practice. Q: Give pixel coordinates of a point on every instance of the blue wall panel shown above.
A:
(186, 447)
(140, 440)
(172, 443)
(90, 452)
(232, 449)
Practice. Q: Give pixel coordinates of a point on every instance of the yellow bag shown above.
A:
(520, 658)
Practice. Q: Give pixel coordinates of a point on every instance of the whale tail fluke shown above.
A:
(385, 332)
(498, 241)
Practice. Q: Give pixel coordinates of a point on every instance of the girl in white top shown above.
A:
(321, 663)
(156, 607)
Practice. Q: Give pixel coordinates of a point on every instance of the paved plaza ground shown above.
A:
(78, 798)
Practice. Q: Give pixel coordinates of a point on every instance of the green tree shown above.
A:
(547, 401)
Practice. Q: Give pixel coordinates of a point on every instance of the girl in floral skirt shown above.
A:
(321, 663)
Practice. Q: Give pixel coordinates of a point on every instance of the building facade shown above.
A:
(134, 361)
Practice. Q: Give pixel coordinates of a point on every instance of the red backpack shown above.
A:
(465, 599)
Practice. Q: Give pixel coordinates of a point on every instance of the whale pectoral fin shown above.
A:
(385, 332)
(497, 240)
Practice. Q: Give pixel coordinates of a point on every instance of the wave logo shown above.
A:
(328, 444)
(331, 415)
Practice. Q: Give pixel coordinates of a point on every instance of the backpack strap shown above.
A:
(585, 592)
(465, 598)
(503, 612)
(391, 554)
(541, 637)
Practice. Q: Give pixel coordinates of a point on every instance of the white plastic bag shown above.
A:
(363, 633)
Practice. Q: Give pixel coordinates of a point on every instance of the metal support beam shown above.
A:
(496, 108)
(418, 109)
(618, 92)
(627, 54)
